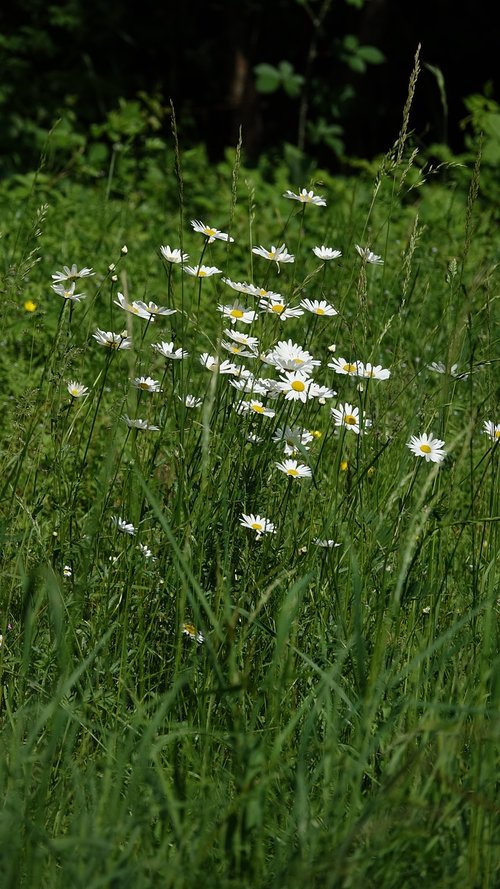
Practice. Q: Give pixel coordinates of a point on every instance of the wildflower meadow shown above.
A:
(249, 511)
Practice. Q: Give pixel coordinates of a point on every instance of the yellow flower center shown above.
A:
(298, 386)
(425, 448)
(236, 313)
(316, 433)
(236, 350)
(293, 472)
(320, 311)
(210, 231)
(202, 274)
(349, 368)
(278, 308)
(257, 526)
(258, 408)
(350, 420)
(143, 385)
(497, 433)
(298, 361)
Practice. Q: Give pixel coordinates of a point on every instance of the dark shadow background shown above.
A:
(85, 54)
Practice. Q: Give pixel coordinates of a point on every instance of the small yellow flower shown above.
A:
(344, 466)
(316, 433)
(30, 306)
(371, 470)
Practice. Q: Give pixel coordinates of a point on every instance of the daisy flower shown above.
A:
(368, 256)
(71, 274)
(237, 312)
(210, 362)
(249, 385)
(235, 349)
(168, 351)
(67, 571)
(492, 430)
(112, 340)
(239, 286)
(325, 543)
(211, 233)
(76, 390)
(295, 386)
(202, 271)
(256, 407)
(176, 255)
(294, 469)
(190, 401)
(440, 368)
(146, 552)
(287, 355)
(348, 416)
(275, 254)
(321, 392)
(147, 384)
(192, 633)
(374, 372)
(278, 307)
(257, 523)
(150, 310)
(341, 366)
(242, 338)
(68, 292)
(428, 447)
(326, 253)
(293, 438)
(306, 197)
(318, 307)
(133, 308)
(123, 526)
(143, 425)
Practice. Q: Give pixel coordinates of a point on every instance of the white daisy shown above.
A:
(275, 254)
(242, 338)
(349, 368)
(368, 256)
(67, 571)
(235, 349)
(318, 307)
(202, 271)
(348, 416)
(146, 552)
(143, 425)
(167, 350)
(294, 386)
(210, 362)
(68, 292)
(239, 286)
(440, 368)
(176, 255)
(326, 253)
(325, 543)
(211, 233)
(492, 430)
(237, 312)
(293, 439)
(426, 446)
(256, 407)
(147, 384)
(77, 390)
(374, 372)
(150, 310)
(71, 274)
(305, 197)
(190, 401)
(249, 385)
(276, 306)
(112, 340)
(287, 355)
(122, 525)
(294, 469)
(257, 523)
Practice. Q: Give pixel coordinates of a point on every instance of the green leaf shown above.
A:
(371, 54)
(268, 78)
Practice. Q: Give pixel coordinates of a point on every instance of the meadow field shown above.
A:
(249, 516)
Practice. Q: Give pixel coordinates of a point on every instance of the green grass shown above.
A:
(339, 724)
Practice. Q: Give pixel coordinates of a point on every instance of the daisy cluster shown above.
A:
(271, 379)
